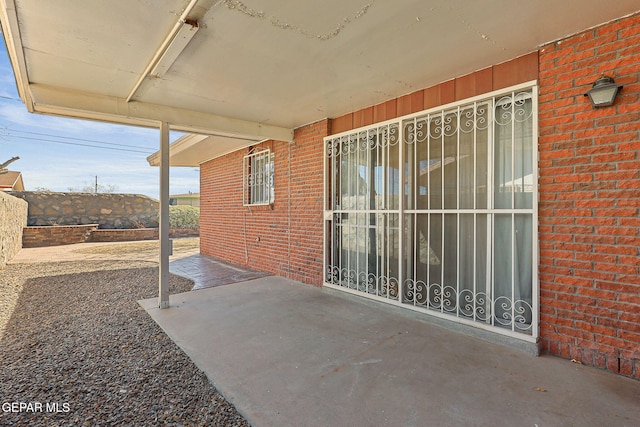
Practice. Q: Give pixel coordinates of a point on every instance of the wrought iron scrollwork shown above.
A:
(471, 127)
(503, 311)
(513, 107)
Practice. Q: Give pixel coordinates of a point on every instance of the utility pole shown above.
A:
(96, 184)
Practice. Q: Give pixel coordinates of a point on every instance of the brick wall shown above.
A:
(37, 237)
(284, 239)
(589, 187)
(589, 218)
(125, 235)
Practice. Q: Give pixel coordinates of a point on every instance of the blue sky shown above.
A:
(57, 153)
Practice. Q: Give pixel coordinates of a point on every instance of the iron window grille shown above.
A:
(258, 170)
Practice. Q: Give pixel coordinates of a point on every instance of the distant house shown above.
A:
(189, 199)
(11, 181)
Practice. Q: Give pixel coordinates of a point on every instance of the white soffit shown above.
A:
(257, 69)
(193, 150)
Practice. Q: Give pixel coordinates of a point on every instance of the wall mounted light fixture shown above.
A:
(603, 92)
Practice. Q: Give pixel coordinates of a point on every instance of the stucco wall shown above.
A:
(107, 210)
(13, 218)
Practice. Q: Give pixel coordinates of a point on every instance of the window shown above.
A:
(258, 188)
(435, 211)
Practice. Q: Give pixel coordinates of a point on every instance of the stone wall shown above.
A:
(107, 210)
(13, 218)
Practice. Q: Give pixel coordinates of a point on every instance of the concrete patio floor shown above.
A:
(288, 354)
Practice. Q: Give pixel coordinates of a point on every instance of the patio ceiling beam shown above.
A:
(68, 103)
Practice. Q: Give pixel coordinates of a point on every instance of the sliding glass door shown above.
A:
(435, 211)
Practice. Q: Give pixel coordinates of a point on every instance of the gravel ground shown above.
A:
(153, 247)
(73, 335)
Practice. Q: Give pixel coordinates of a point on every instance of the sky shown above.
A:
(58, 154)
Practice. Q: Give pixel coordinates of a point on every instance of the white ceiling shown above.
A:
(261, 68)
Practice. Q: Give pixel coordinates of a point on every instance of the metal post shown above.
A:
(163, 285)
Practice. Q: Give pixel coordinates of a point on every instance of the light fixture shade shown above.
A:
(604, 91)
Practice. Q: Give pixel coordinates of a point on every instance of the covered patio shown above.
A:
(233, 74)
(286, 354)
(239, 73)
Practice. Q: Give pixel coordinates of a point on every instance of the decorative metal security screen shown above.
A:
(257, 177)
(436, 211)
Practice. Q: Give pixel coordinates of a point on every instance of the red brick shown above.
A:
(626, 367)
(629, 184)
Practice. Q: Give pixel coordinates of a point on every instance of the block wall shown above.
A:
(589, 211)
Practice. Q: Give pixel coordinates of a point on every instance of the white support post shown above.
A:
(163, 285)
